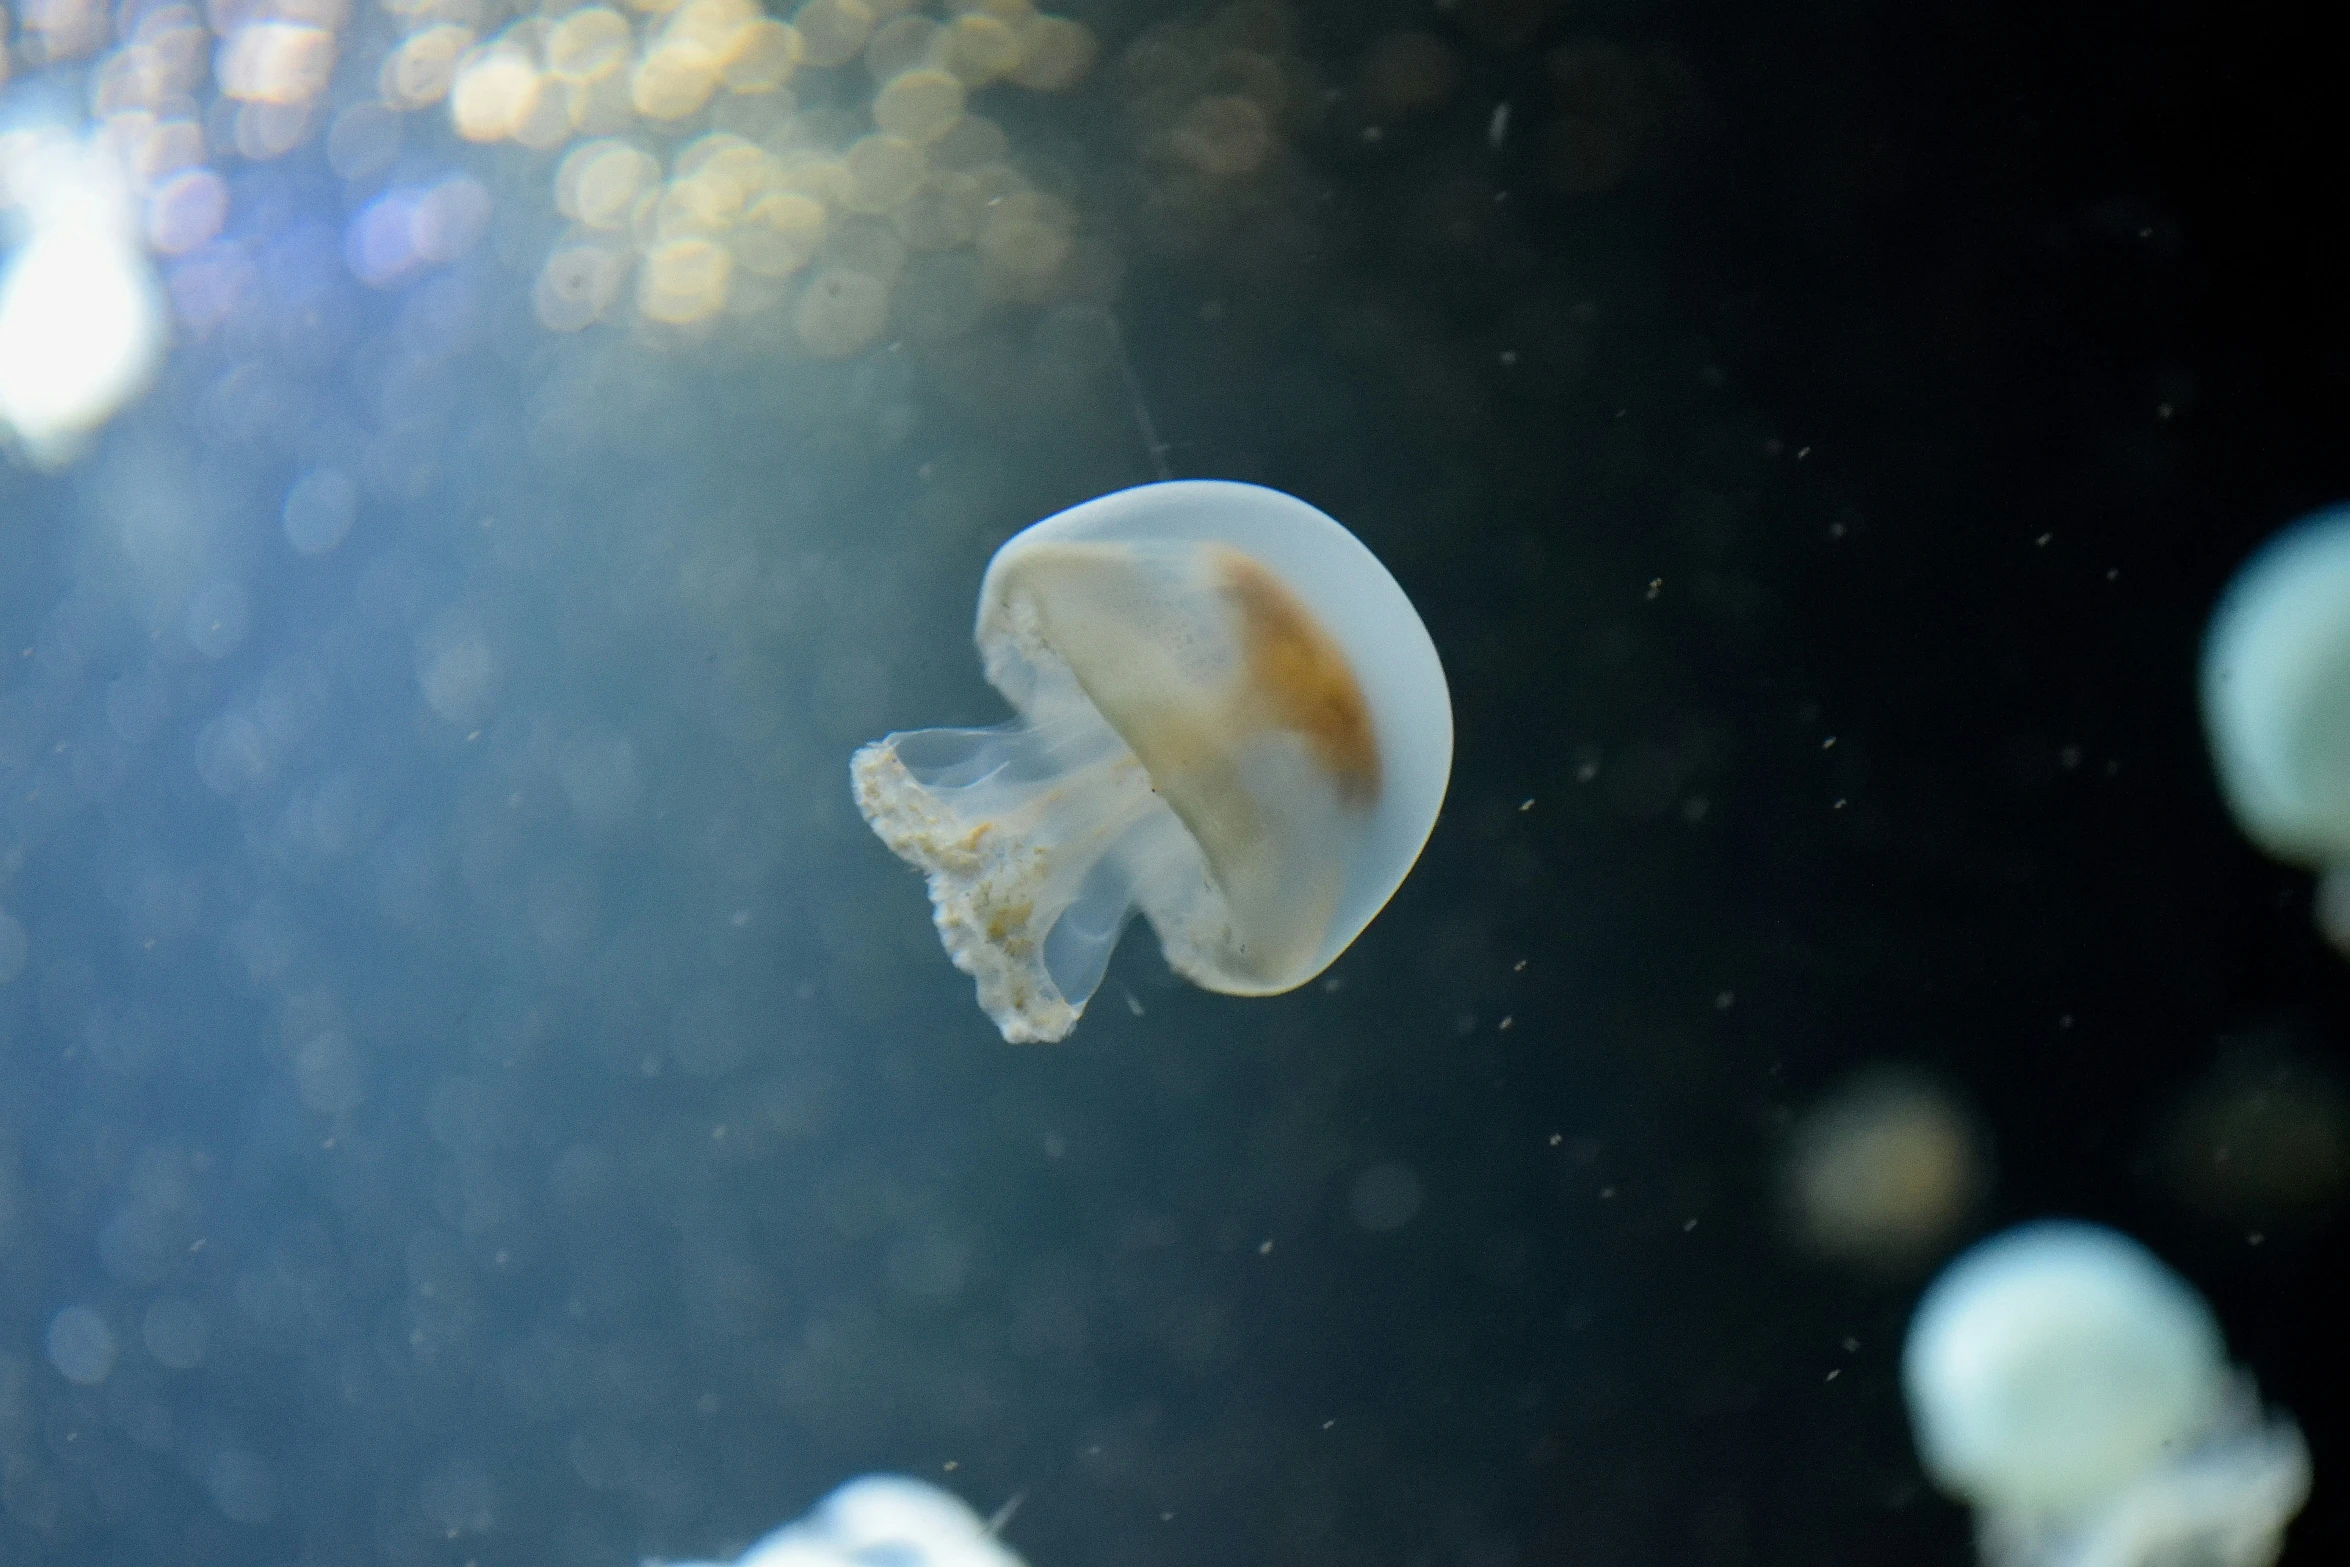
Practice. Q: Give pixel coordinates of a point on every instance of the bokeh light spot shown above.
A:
(496, 89)
(1056, 53)
(883, 172)
(919, 105)
(588, 45)
(832, 32)
(421, 70)
(319, 511)
(81, 1346)
(186, 211)
(577, 286)
(276, 62)
(683, 281)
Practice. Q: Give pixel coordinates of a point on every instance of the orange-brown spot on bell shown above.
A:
(1303, 677)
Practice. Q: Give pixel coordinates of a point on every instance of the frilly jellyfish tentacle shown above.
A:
(1013, 826)
(2225, 1502)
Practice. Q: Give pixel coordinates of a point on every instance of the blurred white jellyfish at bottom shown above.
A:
(881, 1521)
(2076, 1393)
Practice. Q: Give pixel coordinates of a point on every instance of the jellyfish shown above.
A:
(2276, 702)
(2076, 1393)
(81, 319)
(881, 1519)
(1231, 719)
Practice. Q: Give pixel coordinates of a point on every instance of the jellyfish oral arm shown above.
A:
(1014, 828)
(2227, 1501)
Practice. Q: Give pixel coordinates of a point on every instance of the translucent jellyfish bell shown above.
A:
(1231, 718)
(2276, 702)
(2077, 1394)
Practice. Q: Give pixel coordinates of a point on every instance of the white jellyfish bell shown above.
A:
(2076, 1393)
(881, 1521)
(82, 321)
(1231, 718)
(2276, 702)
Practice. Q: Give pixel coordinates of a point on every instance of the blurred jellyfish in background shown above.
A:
(1882, 1171)
(1231, 717)
(2076, 1393)
(81, 317)
(881, 1519)
(2276, 700)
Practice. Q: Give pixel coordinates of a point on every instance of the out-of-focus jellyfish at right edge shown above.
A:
(1231, 718)
(2076, 1393)
(2276, 702)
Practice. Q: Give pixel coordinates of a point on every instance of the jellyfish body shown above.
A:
(2276, 703)
(82, 322)
(1231, 719)
(875, 1520)
(2076, 1393)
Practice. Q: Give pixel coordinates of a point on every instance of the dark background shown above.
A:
(2051, 296)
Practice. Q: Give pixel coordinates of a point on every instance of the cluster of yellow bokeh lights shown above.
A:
(690, 223)
(694, 183)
